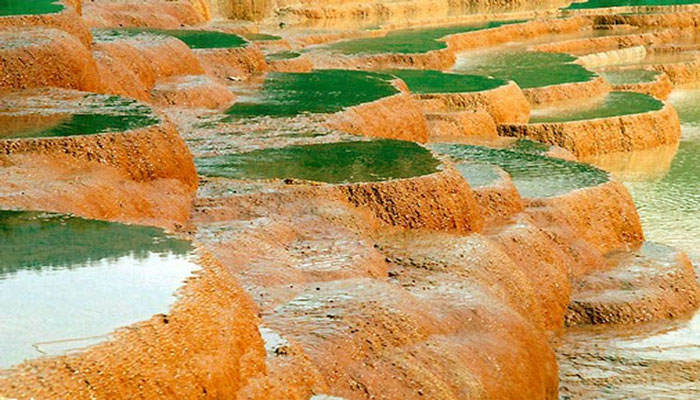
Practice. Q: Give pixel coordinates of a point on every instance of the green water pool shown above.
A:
(534, 175)
(364, 161)
(629, 76)
(623, 3)
(66, 282)
(92, 114)
(529, 69)
(409, 41)
(321, 91)
(669, 205)
(260, 37)
(282, 55)
(429, 81)
(613, 105)
(195, 39)
(29, 7)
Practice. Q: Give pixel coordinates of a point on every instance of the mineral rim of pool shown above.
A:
(282, 55)
(529, 69)
(534, 175)
(410, 41)
(67, 282)
(430, 81)
(344, 162)
(195, 39)
(321, 91)
(29, 7)
(627, 3)
(38, 116)
(629, 76)
(615, 104)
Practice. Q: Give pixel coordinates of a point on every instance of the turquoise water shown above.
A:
(622, 3)
(409, 41)
(67, 282)
(366, 161)
(529, 69)
(613, 105)
(669, 205)
(93, 114)
(29, 7)
(429, 81)
(321, 91)
(534, 175)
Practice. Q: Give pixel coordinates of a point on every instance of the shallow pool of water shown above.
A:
(534, 175)
(195, 39)
(529, 69)
(629, 76)
(29, 7)
(362, 161)
(430, 81)
(624, 3)
(613, 105)
(321, 91)
(409, 41)
(91, 114)
(67, 282)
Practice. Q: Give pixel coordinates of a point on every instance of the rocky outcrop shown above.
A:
(605, 135)
(297, 64)
(66, 20)
(232, 62)
(192, 91)
(163, 14)
(458, 125)
(32, 58)
(208, 343)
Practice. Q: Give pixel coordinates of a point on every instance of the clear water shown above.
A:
(195, 39)
(67, 282)
(669, 205)
(321, 91)
(613, 105)
(409, 41)
(629, 76)
(534, 175)
(623, 3)
(529, 69)
(429, 81)
(29, 7)
(365, 161)
(92, 114)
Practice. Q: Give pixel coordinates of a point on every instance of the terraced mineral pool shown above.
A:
(91, 114)
(260, 37)
(195, 39)
(529, 69)
(615, 104)
(282, 55)
(29, 7)
(364, 161)
(67, 282)
(322, 91)
(669, 205)
(629, 76)
(428, 81)
(409, 41)
(627, 3)
(534, 175)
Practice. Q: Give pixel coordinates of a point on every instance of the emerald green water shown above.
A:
(669, 205)
(282, 55)
(367, 161)
(409, 41)
(429, 81)
(529, 69)
(534, 175)
(260, 37)
(29, 7)
(64, 278)
(629, 76)
(94, 114)
(613, 105)
(623, 3)
(195, 39)
(322, 91)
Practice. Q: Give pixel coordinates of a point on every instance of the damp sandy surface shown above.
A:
(67, 282)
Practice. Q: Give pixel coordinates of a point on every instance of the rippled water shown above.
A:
(66, 282)
(669, 205)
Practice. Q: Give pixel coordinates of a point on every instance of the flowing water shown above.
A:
(67, 282)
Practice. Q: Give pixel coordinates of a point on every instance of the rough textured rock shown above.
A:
(67, 20)
(456, 125)
(237, 62)
(192, 91)
(605, 135)
(660, 88)
(569, 91)
(162, 14)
